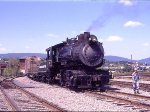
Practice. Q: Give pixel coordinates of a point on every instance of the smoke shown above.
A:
(101, 20)
(130, 9)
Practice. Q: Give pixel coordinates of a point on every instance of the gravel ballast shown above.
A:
(70, 100)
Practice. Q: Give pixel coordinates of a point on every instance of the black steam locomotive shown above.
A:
(74, 62)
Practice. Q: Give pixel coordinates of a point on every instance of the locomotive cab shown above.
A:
(49, 58)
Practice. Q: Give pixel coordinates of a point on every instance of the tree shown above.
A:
(12, 68)
(127, 68)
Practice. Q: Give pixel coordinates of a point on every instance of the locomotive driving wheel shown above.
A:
(74, 83)
(49, 77)
(67, 79)
(44, 78)
(102, 88)
(61, 80)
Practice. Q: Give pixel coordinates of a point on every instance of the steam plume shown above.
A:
(112, 9)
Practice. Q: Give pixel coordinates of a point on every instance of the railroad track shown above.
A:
(138, 102)
(5, 105)
(143, 86)
(144, 77)
(18, 99)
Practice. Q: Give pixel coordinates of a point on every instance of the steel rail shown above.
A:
(9, 100)
(122, 100)
(129, 94)
(143, 86)
(41, 100)
(14, 106)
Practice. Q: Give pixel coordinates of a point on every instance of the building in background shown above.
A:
(29, 64)
(22, 65)
(3, 65)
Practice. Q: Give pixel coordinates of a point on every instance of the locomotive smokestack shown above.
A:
(86, 34)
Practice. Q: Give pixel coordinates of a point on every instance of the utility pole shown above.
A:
(131, 58)
(32, 61)
(132, 64)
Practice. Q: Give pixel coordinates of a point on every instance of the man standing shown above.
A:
(135, 79)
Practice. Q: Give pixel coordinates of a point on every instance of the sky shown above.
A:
(31, 26)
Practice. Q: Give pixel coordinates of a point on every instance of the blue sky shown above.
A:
(32, 26)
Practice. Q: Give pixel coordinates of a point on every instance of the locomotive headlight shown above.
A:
(94, 40)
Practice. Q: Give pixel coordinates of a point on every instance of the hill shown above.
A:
(116, 58)
(146, 60)
(109, 58)
(19, 55)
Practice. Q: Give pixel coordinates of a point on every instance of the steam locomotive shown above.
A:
(74, 63)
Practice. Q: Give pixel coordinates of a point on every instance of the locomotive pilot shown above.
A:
(135, 81)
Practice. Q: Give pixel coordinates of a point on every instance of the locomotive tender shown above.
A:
(74, 62)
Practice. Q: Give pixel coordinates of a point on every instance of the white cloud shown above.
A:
(133, 24)
(52, 35)
(27, 47)
(145, 44)
(126, 2)
(0, 44)
(114, 39)
(2, 49)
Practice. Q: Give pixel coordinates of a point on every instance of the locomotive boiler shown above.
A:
(74, 62)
